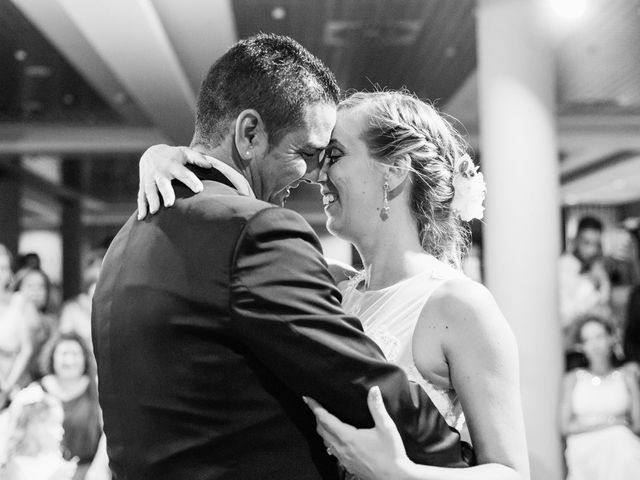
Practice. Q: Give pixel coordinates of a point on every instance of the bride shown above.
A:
(397, 183)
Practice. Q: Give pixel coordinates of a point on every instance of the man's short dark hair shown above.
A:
(272, 74)
(589, 223)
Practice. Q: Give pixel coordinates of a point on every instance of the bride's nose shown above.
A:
(313, 168)
(322, 172)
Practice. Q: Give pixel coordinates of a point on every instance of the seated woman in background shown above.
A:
(34, 429)
(600, 409)
(25, 328)
(70, 378)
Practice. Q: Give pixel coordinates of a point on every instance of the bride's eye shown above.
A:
(331, 155)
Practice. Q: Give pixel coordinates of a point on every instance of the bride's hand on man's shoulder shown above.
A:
(161, 164)
(370, 454)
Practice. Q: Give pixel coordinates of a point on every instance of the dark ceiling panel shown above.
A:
(38, 85)
(427, 46)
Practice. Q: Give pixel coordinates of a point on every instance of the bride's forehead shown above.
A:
(349, 125)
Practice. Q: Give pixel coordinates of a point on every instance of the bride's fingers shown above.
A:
(151, 194)
(329, 426)
(188, 178)
(330, 440)
(312, 404)
(166, 191)
(142, 203)
(195, 158)
(378, 411)
(323, 417)
(142, 199)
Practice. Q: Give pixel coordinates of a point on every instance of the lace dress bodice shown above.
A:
(389, 317)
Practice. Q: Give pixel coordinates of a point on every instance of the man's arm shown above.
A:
(286, 309)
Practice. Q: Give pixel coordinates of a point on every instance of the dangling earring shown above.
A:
(384, 213)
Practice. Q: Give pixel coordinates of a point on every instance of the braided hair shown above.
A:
(405, 132)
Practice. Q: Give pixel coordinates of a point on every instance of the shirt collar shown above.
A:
(235, 177)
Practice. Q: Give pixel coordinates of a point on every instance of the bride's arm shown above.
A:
(158, 166)
(482, 357)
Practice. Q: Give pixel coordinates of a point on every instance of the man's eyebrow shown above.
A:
(314, 146)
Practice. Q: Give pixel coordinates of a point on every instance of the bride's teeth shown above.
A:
(328, 198)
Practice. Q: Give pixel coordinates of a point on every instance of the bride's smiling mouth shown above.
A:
(329, 198)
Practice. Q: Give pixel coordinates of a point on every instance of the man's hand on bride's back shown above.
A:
(158, 166)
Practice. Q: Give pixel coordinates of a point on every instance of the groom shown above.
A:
(213, 318)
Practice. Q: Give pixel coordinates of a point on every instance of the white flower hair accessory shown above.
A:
(469, 190)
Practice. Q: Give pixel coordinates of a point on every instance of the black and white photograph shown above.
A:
(319, 239)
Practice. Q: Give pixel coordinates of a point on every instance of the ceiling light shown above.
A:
(569, 8)
(278, 13)
(20, 55)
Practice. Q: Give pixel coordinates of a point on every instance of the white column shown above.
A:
(522, 231)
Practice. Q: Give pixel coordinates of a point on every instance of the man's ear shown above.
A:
(251, 139)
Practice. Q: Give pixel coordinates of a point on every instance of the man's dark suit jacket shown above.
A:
(210, 321)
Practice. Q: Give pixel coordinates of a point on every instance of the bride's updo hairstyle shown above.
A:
(408, 133)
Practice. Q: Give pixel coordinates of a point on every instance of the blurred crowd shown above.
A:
(600, 321)
(50, 420)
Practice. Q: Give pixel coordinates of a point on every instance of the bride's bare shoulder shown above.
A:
(465, 309)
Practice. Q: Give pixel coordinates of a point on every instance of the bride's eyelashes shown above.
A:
(332, 155)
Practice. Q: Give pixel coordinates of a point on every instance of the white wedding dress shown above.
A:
(389, 316)
(609, 452)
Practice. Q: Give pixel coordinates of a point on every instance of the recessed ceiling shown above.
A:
(78, 87)
(38, 83)
(598, 60)
(369, 43)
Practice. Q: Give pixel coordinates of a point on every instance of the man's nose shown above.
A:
(312, 173)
